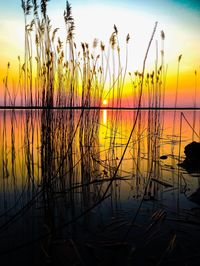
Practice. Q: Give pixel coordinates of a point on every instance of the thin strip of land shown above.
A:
(94, 108)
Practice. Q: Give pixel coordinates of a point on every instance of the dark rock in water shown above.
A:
(163, 157)
(192, 160)
(192, 152)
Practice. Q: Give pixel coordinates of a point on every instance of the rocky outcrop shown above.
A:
(192, 160)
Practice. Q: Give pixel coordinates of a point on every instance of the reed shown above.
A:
(67, 171)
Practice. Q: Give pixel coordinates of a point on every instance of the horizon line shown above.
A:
(94, 108)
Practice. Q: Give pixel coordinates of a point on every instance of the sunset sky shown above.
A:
(179, 19)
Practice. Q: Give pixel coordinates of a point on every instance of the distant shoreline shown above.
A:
(93, 108)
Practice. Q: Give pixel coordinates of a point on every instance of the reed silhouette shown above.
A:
(75, 187)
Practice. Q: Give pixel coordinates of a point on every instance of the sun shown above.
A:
(105, 102)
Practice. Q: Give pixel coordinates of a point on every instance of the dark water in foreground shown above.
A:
(92, 188)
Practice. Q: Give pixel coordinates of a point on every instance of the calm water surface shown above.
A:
(88, 183)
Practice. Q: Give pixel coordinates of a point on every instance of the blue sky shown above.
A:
(161, 5)
(180, 11)
(180, 16)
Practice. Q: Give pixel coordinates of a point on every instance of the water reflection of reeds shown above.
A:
(58, 167)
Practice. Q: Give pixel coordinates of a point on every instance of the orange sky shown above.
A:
(182, 37)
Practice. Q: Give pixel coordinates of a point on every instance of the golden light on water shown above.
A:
(135, 154)
(104, 117)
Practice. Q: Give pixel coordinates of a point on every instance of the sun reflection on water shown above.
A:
(104, 117)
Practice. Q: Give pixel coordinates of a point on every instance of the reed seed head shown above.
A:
(102, 46)
(127, 38)
(179, 58)
(95, 43)
(162, 35)
(115, 29)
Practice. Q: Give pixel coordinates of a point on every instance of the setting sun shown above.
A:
(105, 102)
